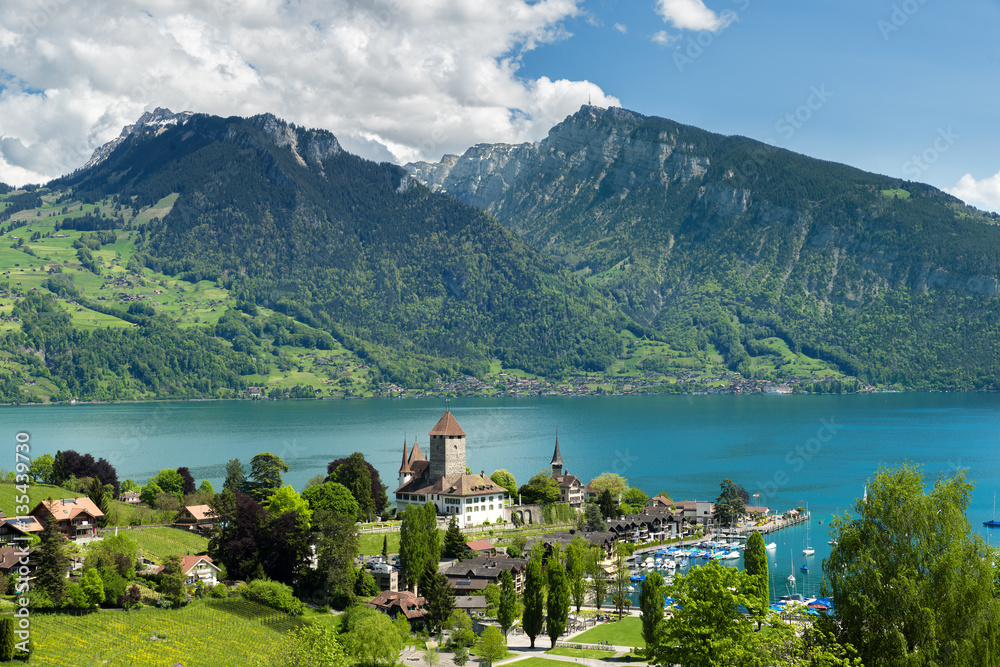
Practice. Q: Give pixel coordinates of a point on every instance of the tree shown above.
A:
(187, 487)
(336, 549)
(633, 500)
(117, 551)
(206, 488)
(493, 645)
(431, 657)
(729, 506)
(598, 583)
(265, 475)
(418, 542)
(365, 585)
(170, 481)
(706, 627)
(461, 634)
(150, 493)
(41, 469)
(132, 597)
(286, 499)
(332, 497)
(592, 517)
(505, 479)
(609, 509)
(353, 479)
(69, 463)
(92, 586)
(454, 540)
(98, 493)
(620, 584)
(576, 558)
(557, 600)
(439, 597)
(913, 583)
(461, 656)
(374, 639)
(540, 489)
(51, 561)
(7, 643)
(611, 482)
(534, 599)
(236, 476)
(507, 604)
(130, 486)
(755, 564)
(172, 580)
(385, 548)
(234, 538)
(651, 605)
(312, 645)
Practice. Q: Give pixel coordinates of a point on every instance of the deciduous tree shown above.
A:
(333, 497)
(507, 604)
(576, 557)
(534, 599)
(493, 645)
(651, 598)
(540, 489)
(557, 600)
(755, 564)
(505, 479)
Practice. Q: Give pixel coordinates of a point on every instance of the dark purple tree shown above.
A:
(71, 463)
(235, 535)
(189, 486)
(284, 547)
(378, 490)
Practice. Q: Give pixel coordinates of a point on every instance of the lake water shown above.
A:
(790, 449)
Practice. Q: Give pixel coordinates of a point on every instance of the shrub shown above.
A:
(219, 591)
(6, 639)
(274, 594)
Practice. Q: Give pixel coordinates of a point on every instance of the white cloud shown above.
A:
(688, 14)
(620, 27)
(664, 38)
(984, 193)
(415, 79)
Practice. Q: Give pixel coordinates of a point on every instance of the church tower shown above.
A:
(405, 472)
(557, 462)
(447, 449)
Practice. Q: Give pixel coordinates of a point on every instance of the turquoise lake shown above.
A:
(814, 449)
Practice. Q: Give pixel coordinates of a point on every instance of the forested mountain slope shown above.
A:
(725, 239)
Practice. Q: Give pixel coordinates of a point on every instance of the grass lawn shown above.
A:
(215, 633)
(581, 653)
(36, 492)
(370, 544)
(538, 662)
(627, 632)
(158, 543)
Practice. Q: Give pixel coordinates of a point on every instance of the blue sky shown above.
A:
(900, 79)
(902, 87)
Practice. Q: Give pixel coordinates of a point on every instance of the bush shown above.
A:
(219, 591)
(275, 595)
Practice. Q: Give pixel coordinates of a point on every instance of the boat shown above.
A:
(731, 555)
(804, 568)
(808, 551)
(771, 547)
(993, 523)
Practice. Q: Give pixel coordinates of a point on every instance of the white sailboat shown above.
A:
(808, 551)
(771, 547)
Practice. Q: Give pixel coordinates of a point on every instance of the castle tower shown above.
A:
(405, 472)
(557, 462)
(447, 449)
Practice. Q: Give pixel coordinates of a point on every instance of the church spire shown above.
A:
(405, 467)
(557, 462)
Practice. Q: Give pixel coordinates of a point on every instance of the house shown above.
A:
(195, 517)
(443, 482)
(395, 603)
(475, 574)
(482, 547)
(12, 558)
(195, 569)
(76, 518)
(16, 528)
(659, 502)
(570, 486)
(757, 511)
(471, 604)
(696, 512)
(130, 497)
(648, 526)
(386, 577)
(605, 540)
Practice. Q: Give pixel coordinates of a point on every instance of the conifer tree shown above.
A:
(385, 548)
(439, 596)
(755, 564)
(51, 562)
(454, 540)
(6, 639)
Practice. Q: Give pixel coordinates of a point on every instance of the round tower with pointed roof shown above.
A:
(447, 448)
(557, 462)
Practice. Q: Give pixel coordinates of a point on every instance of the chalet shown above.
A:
(195, 517)
(395, 603)
(17, 528)
(442, 480)
(475, 574)
(482, 548)
(659, 502)
(197, 568)
(12, 558)
(471, 604)
(605, 540)
(570, 486)
(130, 497)
(76, 518)
(637, 528)
(757, 511)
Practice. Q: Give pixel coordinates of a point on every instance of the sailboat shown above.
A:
(993, 523)
(808, 551)
(771, 547)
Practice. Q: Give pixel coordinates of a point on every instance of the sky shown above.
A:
(907, 88)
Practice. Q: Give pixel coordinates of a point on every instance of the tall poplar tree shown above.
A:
(755, 564)
(576, 556)
(557, 602)
(418, 542)
(534, 599)
(507, 609)
(651, 605)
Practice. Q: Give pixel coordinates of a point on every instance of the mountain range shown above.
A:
(620, 245)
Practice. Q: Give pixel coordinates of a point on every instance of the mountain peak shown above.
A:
(157, 118)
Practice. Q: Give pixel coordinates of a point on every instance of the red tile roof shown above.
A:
(480, 545)
(447, 426)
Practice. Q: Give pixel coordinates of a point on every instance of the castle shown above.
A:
(472, 499)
